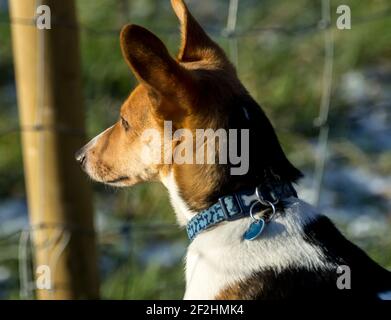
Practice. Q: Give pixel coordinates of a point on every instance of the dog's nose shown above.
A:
(80, 156)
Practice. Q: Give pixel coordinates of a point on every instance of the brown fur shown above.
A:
(198, 90)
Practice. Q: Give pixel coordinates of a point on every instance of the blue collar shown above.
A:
(240, 205)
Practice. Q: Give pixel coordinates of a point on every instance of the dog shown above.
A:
(251, 237)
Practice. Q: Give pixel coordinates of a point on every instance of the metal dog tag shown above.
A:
(254, 230)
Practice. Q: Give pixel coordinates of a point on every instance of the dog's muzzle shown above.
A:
(80, 156)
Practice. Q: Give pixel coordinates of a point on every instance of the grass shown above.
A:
(132, 281)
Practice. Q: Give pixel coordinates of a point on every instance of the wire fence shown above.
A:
(231, 32)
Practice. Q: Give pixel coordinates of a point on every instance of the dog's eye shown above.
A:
(124, 123)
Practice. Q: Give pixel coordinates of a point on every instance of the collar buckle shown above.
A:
(266, 195)
(231, 215)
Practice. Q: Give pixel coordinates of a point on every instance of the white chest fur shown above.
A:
(219, 257)
(183, 213)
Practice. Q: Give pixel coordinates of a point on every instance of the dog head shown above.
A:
(197, 90)
(180, 90)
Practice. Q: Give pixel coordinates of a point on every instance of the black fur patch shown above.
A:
(367, 277)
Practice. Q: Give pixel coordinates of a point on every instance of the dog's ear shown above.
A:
(153, 66)
(196, 44)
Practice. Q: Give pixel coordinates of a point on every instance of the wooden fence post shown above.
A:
(47, 69)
